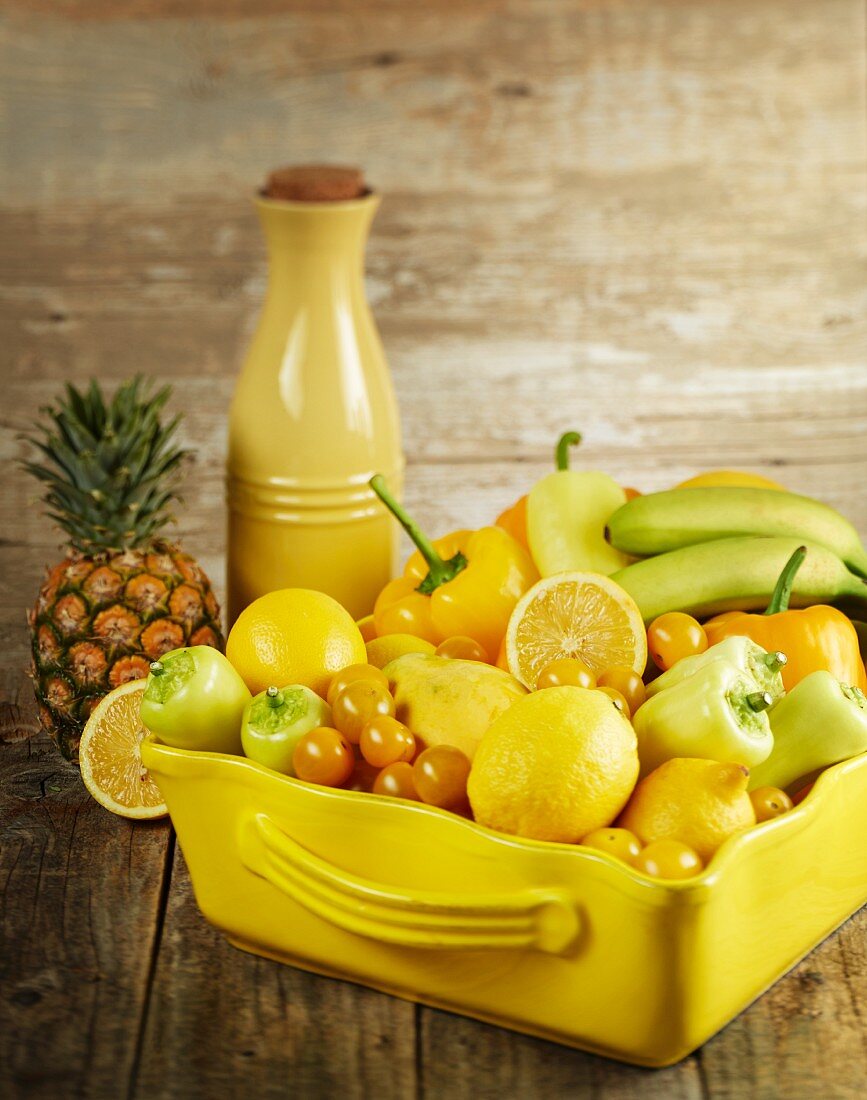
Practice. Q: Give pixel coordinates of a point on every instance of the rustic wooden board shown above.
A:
(226, 1023)
(80, 898)
(643, 220)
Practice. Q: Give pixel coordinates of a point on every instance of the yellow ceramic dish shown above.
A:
(549, 939)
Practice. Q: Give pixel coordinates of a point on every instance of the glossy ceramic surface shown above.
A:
(551, 939)
(313, 418)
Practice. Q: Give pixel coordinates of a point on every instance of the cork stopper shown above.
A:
(315, 183)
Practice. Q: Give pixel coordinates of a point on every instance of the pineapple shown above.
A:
(123, 596)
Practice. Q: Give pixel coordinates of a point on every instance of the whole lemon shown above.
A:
(698, 802)
(294, 636)
(388, 647)
(555, 766)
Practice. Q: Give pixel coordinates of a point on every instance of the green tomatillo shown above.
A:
(194, 699)
(275, 720)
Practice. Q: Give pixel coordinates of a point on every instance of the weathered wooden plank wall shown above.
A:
(645, 220)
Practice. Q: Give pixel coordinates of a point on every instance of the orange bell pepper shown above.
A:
(514, 520)
(466, 583)
(818, 637)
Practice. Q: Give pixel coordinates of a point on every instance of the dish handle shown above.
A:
(542, 919)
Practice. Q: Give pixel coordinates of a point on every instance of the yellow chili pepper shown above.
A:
(466, 583)
(818, 637)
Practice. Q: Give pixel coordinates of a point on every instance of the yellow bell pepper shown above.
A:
(466, 583)
(818, 637)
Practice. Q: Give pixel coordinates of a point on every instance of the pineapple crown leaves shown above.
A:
(110, 469)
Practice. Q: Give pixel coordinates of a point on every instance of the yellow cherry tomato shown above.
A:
(568, 671)
(617, 842)
(769, 802)
(461, 648)
(627, 682)
(673, 636)
(668, 859)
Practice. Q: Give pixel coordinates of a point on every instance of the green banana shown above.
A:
(659, 522)
(736, 574)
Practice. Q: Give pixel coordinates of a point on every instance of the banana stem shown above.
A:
(439, 571)
(561, 452)
(783, 591)
(759, 700)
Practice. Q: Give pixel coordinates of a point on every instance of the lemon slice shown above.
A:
(110, 757)
(583, 615)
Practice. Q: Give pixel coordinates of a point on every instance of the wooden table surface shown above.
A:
(643, 220)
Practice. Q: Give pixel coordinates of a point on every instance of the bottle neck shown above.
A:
(307, 239)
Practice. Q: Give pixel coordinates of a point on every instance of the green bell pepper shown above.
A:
(738, 650)
(715, 714)
(820, 722)
(194, 699)
(275, 720)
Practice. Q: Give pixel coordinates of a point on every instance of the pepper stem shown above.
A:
(775, 661)
(561, 451)
(783, 591)
(759, 700)
(440, 571)
(274, 696)
(157, 668)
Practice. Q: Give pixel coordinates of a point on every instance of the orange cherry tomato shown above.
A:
(628, 683)
(769, 802)
(359, 701)
(324, 756)
(354, 672)
(617, 842)
(566, 671)
(396, 780)
(618, 698)
(363, 777)
(460, 648)
(668, 859)
(673, 636)
(385, 741)
(440, 776)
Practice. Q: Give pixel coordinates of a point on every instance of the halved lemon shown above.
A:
(583, 615)
(110, 756)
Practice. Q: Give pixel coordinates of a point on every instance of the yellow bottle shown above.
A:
(313, 418)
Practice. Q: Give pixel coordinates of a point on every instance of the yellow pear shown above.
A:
(450, 702)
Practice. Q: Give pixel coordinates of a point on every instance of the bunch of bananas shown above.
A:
(709, 550)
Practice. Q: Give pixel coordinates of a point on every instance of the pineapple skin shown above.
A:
(101, 619)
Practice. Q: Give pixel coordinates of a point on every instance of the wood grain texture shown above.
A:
(644, 220)
(226, 1023)
(80, 898)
